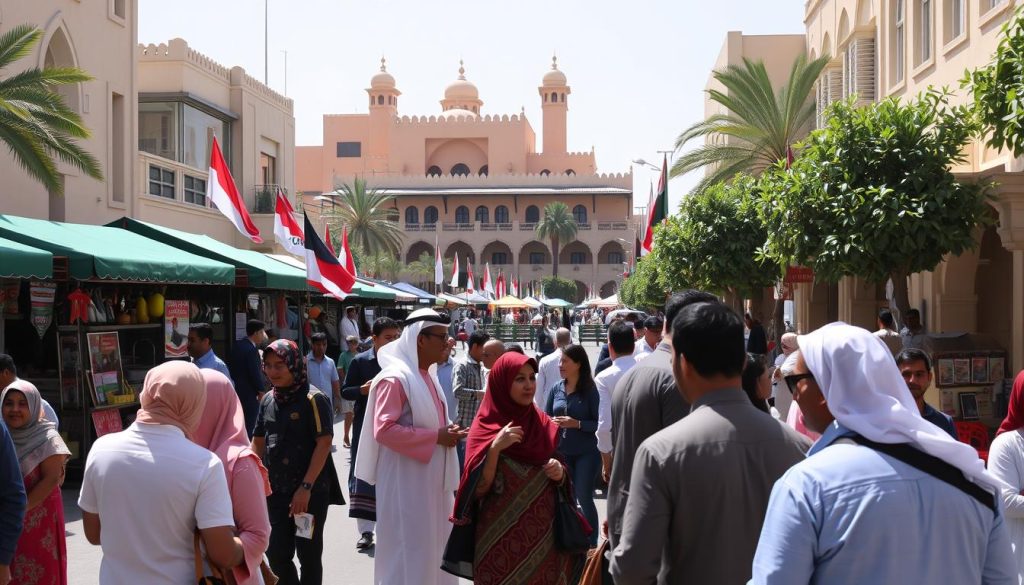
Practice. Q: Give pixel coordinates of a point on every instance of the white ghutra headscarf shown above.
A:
(867, 395)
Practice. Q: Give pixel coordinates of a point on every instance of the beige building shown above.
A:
(153, 111)
(476, 183)
(899, 48)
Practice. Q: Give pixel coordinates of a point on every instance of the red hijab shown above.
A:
(497, 410)
(1015, 409)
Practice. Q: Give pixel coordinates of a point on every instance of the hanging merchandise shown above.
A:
(41, 296)
(79, 306)
(176, 322)
(155, 304)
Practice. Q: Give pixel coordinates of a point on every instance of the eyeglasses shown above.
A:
(437, 335)
(792, 380)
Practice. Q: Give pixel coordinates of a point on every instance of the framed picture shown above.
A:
(979, 370)
(962, 371)
(70, 369)
(946, 375)
(996, 369)
(969, 405)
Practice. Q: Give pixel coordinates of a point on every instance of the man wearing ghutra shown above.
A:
(407, 451)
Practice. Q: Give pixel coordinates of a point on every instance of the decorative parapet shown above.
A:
(239, 78)
(461, 121)
(387, 181)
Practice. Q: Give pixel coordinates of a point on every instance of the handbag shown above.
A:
(216, 579)
(269, 578)
(571, 527)
(595, 571)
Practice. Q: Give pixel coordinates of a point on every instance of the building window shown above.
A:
(501, 214)
(570, 172)
(532, 214)
(990, 4)
(536, 257)
(430, 215)
(462, 214)
(615, 257)
(499, 258)
(199, 129)
(119, 6)
(195, 190)
(380, 100)
(434, 171)
(161, 182)
(484, 171)
(545, 172)
(460, 169)
(482, 214)
(412, 215)
(268, 169)
(349, 149)
(899, 40)
(957, 17)
(579, 213)
(578, 258)
(158, 129)
(924, 31)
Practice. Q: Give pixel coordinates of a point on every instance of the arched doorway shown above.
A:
(993, 286)
(611, 253)
(535, 253)
(498, 254)
(416, 250)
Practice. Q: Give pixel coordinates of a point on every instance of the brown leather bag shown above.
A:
(593, 570)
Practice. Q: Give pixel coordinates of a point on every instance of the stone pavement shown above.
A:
(343, 564)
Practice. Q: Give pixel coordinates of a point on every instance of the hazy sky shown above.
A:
(637, 68)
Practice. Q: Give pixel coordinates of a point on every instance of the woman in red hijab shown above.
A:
(505, 507)
(1006, 461)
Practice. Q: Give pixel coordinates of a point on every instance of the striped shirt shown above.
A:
(467, 386)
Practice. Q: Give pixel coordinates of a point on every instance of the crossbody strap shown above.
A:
(931, 465)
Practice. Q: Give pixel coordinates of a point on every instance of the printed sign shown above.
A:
(105, 363)
(41, 298)
(175, 329)
(799, 274)
(107, 421)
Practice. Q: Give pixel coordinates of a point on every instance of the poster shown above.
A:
(979, 370)
(67, 351)
(241, 321)
(996, 369)
(946, 376)
(107, 421)
(41, 302)
(105, 365)
(962, 370)
(175, 329)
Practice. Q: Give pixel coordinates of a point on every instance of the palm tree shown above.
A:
(382, 265)
(370, 217)
(423, 268)
(759, 126)
(35, 123)
(558, 225)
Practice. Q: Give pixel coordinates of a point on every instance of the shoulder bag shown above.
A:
(572, 530)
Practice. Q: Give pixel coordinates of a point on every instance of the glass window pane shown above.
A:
(167, 191)
(158, 129)
(200, 129)
(154, 188)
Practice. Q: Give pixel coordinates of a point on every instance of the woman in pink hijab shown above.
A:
(222, 430)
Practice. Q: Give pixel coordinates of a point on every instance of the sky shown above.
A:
(637, 68)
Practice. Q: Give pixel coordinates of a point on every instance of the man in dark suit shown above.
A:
(356, 387)
(246, 369)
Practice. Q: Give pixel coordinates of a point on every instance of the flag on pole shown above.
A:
(222, 192)
(658, 211)
(515, 287)
(455, 273)
(487, 285)
(469, 275)
(323, 270)
(346, 258)
(287, 231)
(438, 266)
(330, 246)
(499, 285)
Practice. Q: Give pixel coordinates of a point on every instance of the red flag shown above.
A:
(469, 276)
(223, 193)
(287, 231)
(349, 261)
(327, 240)
(323, 270)
(455, 273)
(658, 210)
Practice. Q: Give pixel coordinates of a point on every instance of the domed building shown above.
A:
(476, 183)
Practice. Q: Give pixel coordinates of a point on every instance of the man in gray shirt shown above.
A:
(700, 487)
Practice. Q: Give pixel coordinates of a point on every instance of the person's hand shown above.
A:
(507, 436)
(554, 470)
(606, 471)
(300, 502)
(450, 435)
(365, 389)
(566, 422)
(337, 405)
(604, 529)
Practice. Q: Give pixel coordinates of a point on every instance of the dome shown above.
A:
(461, 89)
(457, 113)
(554, 78)
(382, 80)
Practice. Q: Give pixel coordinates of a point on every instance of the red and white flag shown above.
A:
(323, 270)
(345, 257)
(438, 266)
(469, 275)
(287, 231)
(455, 273)
(222, 192)
(499, 287)
(513, 286)
(330, 246)
(487, 285)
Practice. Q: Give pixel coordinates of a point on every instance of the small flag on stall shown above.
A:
(499, 287)
(330, 246)
(346, 258)
(455, 273)
(487, 285)
(222, 192)
(438, 266)
(287, 231)
(469, 275)
(323, 270)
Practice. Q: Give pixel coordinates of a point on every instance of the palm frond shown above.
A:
(18, 43)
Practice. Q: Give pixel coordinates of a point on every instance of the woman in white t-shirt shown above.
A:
(147, 489)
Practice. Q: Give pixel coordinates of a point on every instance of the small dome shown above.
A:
(457, 113)
(554, 78)
(382, 80)
(461, 88)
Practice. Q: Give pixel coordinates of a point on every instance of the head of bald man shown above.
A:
(563, 338)
(492, 351)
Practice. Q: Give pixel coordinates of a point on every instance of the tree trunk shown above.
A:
(778, 323)
(734, 301)
(832, 302)
(901, 295)
(554, 256)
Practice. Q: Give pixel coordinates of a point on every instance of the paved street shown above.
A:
(343, 565)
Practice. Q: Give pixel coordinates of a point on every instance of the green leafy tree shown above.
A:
(714, 240)
(370, 216)
(559, 226)
(758, 126)
(642, 290)
(872, 194)
(998, 88)
(382, 265)
(35, 123)
(555, 287)
(423, 268)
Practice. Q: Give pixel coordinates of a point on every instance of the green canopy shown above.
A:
(21, 261)
(95, 251)
(262, 272)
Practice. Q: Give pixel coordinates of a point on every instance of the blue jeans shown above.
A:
(583, 469)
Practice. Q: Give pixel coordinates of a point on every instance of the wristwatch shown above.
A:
(306, 486)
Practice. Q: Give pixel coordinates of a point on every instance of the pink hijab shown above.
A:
(173, 394)
(222, 426)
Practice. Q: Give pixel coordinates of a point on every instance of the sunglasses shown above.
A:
(791, 380)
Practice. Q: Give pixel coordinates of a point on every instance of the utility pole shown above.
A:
(266, 28)
(285, 72)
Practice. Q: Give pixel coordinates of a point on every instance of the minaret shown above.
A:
(383, 109)
(554, 92)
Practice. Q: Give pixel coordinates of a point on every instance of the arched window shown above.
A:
(615, 257)
(430, 215)
(563, 98)
(501, 214)
(412, 215)
(389, 100)
(484, 170)
(570, 172)
(460, 169)
(577, 258)
(499, 258)
(462, 214)
(482, 214)
(532, 214)
(579, 213)
(380, 100)
(545, 173)
(434, 171)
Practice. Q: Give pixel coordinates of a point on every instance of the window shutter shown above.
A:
(863, 63)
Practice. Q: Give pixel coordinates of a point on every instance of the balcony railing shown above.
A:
(583, 226)
(612, 225)
(458, 227)
(527, 227)
(264, 198)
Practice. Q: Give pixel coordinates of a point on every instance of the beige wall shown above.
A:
(91, 36)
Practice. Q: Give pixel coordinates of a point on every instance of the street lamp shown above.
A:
(644, 163)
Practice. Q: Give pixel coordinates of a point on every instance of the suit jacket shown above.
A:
(362, 369)
(246, 370)
(644, 401)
